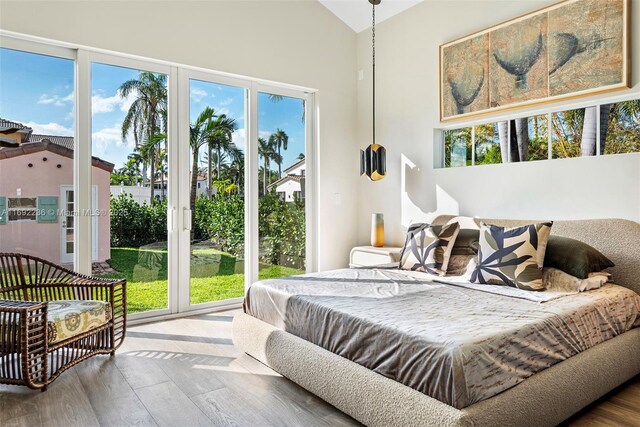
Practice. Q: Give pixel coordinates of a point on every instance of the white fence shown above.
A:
(140, 194)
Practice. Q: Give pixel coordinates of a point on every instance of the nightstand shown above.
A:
(365, 256)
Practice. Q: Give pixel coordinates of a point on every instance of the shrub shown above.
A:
(136, 225)
(220, 220)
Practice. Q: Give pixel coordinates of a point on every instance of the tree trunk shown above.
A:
(209, 170)
(144, 173)
(589, 129)
(588, 145)
(522, 137)
(605, 111)
(264, 178)
(152, 159)
(279, 163)
(218, 165)
(513, 142)
(194, 186)
(503, 133)
(194, 179)
(162, 185)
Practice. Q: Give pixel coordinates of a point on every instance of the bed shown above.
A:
(363, 341)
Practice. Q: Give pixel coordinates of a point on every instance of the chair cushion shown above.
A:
(70, 318)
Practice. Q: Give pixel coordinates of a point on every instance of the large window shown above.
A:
(603, 129)
(216, 191)
(172, 192)
(37, 147)
(282, 185)
(129, 116)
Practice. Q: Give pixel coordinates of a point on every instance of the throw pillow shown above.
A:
(428, 248)
(512, 256)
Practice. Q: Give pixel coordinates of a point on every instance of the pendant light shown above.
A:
(373, 159)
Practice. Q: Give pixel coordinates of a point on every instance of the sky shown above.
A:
(37, 90)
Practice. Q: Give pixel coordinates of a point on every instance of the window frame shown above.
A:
(439, 134)
(22, 209)
(83, 57)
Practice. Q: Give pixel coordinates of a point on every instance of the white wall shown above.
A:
(407, 113)
(297, 42)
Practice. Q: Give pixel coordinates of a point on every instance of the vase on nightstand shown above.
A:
(377, 230)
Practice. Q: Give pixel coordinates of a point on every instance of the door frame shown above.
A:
(183, 208)
(87, 57)
(66, 258)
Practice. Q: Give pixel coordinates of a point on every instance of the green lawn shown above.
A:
(215, 275)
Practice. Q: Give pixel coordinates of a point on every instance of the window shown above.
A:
(538, 134)
(612, 128)
(487, 144)
(145, 181)
(457, 147)
(22, 209)
(620, 127)
(36, 112)
(568, 128)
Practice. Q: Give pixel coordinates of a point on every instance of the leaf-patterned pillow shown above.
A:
(428, 248)
(512, 256)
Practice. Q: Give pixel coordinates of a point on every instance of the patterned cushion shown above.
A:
(70, 318)
(428, 248)
(512, 256)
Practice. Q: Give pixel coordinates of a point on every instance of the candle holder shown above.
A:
(377, 230)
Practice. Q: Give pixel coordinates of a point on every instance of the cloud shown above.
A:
(226, 101)
(264, 134)
(55, 99)
(110, 137)
(102, 104)
(239, 137)
(50, 129)
(198, 94)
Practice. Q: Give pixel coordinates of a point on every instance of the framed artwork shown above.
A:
(570, 49)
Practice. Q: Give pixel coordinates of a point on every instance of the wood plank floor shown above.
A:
(186, 372)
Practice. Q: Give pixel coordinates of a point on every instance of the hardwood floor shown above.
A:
(186, 372)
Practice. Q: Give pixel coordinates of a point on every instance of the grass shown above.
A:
(215, 276)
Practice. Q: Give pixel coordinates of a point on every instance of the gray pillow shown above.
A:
(467, 242)
(574, 257)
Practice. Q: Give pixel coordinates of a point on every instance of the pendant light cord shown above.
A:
(373, 61)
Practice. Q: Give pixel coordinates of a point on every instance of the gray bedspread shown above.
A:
(456, 343)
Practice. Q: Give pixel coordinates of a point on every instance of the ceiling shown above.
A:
(357, 13)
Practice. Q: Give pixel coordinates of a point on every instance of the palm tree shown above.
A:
(267, 151)
(162, 167)
(280, 139)
(235, 169)
(220, 139)
(199, 134)
(147, 115)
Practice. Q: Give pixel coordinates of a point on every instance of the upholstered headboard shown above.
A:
(618, 239)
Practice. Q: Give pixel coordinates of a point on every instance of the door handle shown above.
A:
(186, 219)
(170, 219)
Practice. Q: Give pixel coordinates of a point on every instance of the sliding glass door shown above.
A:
(282, 185)
(190, 184)
(131, 171)
(213, 139)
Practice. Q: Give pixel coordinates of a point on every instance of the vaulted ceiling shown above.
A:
(357, 13)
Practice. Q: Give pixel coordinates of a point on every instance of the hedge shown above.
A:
(219, 220)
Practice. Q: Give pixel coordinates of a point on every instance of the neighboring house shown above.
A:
(291, 186)
(201, 187)
(37, 197)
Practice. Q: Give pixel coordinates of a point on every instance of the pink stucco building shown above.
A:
(37, 200)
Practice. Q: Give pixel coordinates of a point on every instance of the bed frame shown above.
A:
(544, 399)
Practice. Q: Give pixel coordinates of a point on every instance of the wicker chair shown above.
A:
(33, 350)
